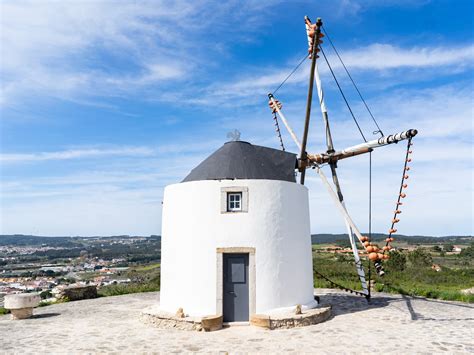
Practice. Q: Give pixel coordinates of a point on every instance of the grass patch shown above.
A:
(148, 267)
(446, 284)
(144, 278)
(124, 289)
(426, 291)
(4, 311)
(414, 280)
(49, 303)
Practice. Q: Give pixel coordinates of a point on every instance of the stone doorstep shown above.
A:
(236, 324)
(285, 321)
(212, 323)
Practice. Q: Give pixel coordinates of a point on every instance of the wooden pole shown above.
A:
(362, 148)
(304, 141)
(285, 121)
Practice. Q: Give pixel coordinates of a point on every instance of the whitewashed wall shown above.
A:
(276, 225)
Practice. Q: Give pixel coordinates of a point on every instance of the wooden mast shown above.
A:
(313, 53)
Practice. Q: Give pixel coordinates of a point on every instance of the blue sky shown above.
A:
(105, 103)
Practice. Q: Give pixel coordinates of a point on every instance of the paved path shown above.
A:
(390, 324)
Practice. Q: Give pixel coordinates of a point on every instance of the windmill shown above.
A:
(331, 156)
(236, 230)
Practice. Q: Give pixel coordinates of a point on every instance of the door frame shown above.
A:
(220, 277)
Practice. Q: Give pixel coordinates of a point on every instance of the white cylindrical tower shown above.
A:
(236, 236)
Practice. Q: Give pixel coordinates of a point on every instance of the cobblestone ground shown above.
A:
(390, 324)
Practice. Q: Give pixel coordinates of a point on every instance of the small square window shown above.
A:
(234, 201)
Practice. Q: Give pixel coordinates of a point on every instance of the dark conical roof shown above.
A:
(242, 160)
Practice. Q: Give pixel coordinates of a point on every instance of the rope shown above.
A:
(342, 93)
(353, 83)
(340, 286)
(292, 72)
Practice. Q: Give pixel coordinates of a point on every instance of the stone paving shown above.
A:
(390, 324)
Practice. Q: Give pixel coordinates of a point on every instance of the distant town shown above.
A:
(46, 264)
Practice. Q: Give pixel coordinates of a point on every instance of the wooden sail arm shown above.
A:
(361, 148)
(276, 107)
(324, 158)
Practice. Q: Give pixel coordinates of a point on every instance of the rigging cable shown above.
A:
(353, 83)
(339, 286)
(342, 93)
(370, 220)
(292, 72)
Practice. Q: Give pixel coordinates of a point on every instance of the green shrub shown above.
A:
(397, 261)
(448, 247)
(420, 258)
(46, 294)
(467, 252)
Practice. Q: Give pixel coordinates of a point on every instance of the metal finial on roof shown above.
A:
(234, 135)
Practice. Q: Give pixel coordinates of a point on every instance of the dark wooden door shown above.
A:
(236, 287)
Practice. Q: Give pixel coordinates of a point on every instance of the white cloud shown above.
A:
(55, 48)
(375, 59)
(75, 154)
(379, 56)
(355, 7)
(47, 47)
(52, 49)
(189, 146)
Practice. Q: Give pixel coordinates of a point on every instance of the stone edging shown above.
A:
(308, 317)
(165, 320)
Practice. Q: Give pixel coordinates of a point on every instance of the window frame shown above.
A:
(226, 191)
(234, 201)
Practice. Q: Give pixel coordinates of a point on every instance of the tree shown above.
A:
(437, 248)
(448, 247)
(420, 257)
(397, 261)
(46, 294)
(467, 252)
